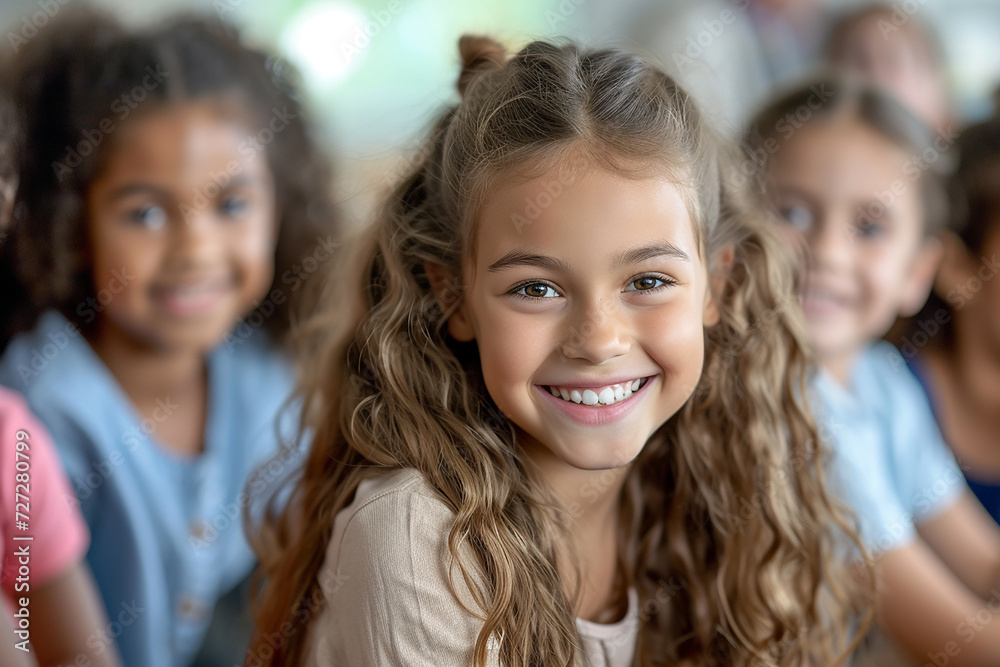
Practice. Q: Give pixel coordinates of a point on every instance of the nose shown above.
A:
(830, 241)
(596, 333)
(195, 239)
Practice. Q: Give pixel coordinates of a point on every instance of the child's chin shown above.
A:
(606, 460)
(828, 336)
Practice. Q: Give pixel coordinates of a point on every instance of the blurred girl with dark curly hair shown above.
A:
(171, 207)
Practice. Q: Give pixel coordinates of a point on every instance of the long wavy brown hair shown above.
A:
(731, 539)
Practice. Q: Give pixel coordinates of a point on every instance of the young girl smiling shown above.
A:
(546, 397)
(866, 227)
(131, 270)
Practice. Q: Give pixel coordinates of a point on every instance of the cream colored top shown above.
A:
(386, 575)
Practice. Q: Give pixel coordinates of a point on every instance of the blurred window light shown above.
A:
(327, 41)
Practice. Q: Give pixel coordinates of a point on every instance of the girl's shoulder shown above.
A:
(388, 505)
(29, 459)
(395, 593)
(64, 382)
(51, 358)
(396, 524)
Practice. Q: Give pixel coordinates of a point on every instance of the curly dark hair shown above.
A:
(10, 155)
(69, 82)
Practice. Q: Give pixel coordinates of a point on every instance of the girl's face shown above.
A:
(182, 228)
(588, 300)
(853, 213)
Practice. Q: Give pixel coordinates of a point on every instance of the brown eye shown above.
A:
(534, 291)
(644, 283)
(537, 291)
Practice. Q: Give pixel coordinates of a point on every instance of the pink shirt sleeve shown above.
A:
(48, 506)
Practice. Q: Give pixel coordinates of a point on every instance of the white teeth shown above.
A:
(193, 290)
(605, 395)
(821, 295)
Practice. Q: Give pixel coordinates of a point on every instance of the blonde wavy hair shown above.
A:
(731, 540)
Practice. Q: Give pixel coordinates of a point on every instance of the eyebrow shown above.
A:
(129, 189)
(795, 191)
(652, 251)
(631, 256)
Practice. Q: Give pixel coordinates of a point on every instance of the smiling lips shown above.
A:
(819, 301)
(607, 395)
(190, 300)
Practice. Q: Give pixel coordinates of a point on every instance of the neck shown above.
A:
(144, 372)
(591, 497)
(840, 365)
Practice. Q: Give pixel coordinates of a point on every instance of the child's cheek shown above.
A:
(675, 341)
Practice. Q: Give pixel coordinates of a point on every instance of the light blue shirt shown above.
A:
(166, 530)
(890, 463)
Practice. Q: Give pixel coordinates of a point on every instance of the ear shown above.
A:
(716, 284)
(918, 283)
(447, 290)
(955, 265)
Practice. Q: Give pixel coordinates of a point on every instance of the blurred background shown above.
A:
(377, 71)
